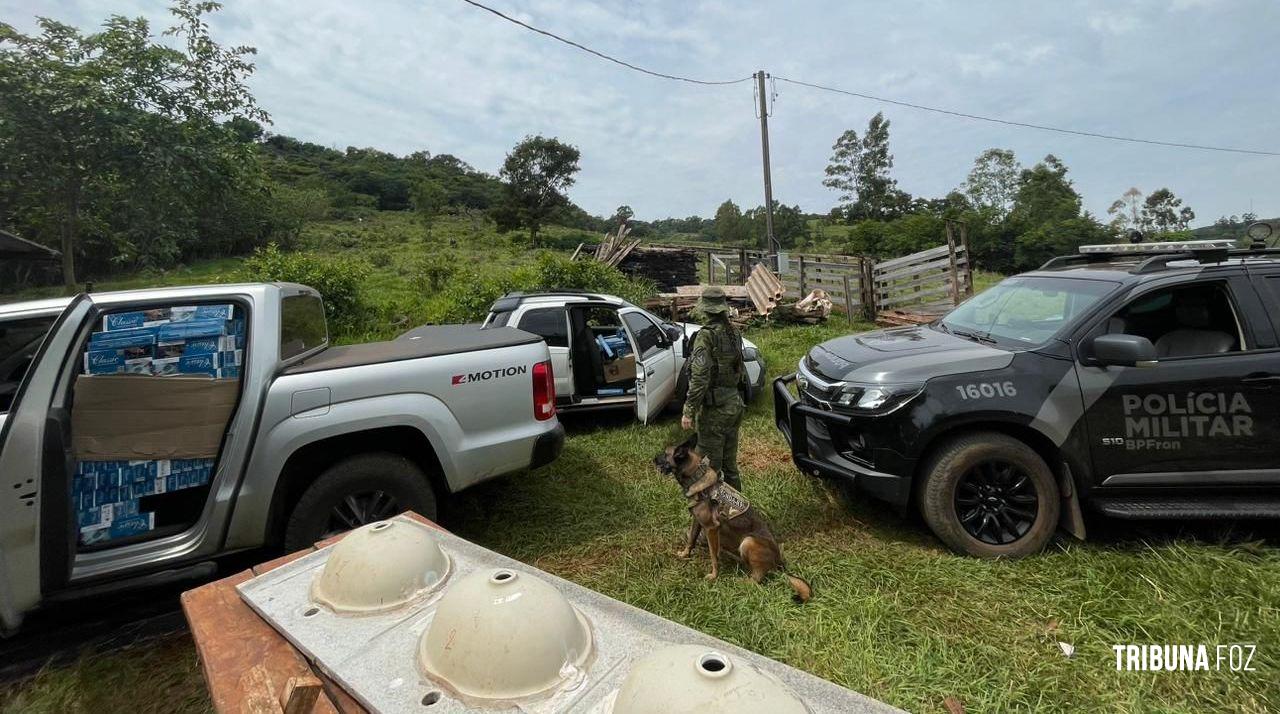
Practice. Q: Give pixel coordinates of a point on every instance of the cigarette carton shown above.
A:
(166, 315)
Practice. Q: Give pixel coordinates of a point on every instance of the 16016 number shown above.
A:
(987, 390)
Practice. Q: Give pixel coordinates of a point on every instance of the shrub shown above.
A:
(337, 278)
(468, 296)
(432, 273)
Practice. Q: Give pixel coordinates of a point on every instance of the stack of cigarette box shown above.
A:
(106, 493)
(192, 341)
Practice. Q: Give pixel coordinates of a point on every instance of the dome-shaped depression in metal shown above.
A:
(499, 634)
(379, 567)
(694, 679)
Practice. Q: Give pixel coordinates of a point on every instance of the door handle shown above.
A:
(1262, 379)
(648, 373)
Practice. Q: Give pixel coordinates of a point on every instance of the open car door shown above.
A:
(30, 437)
(656, 372)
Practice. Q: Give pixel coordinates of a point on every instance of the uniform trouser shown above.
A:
(718, 428)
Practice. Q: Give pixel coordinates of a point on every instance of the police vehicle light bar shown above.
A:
(1189, 246)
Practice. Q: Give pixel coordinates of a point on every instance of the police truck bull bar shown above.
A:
(791, 417)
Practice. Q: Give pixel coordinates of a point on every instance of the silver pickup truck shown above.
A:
(314, 439)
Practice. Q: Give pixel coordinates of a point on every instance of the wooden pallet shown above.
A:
(247, 665)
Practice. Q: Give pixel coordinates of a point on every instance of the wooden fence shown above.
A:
(927, 280)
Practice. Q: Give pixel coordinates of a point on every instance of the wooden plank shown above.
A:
(848, 298)
(922, 280)
(912, 297)
(902, 272)
(239, 652)
(914, 257)
(301, 694)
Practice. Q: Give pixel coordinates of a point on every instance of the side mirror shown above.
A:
(674, 333)
(1124, 350)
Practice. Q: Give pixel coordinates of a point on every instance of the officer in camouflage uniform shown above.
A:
(717, 380)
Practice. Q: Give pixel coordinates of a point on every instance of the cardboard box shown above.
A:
(134, 417)
(620, 370)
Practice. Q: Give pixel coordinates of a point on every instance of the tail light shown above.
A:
(544, 391)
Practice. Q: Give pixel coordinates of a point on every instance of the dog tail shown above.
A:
(803, 590)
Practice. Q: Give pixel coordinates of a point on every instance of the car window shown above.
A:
(648, 336)
(602, 317)
(19, 341)
(302, 325)
(1182, 321)
(551, 323)
(499, 319)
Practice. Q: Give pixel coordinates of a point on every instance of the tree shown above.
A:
(1126, 211)
(1164, 212)
(993, 182)
(537, 172)
(731, 229)
(622, 215)
(86, 118)
(859, 169)
(1045, 202)
(429, 199)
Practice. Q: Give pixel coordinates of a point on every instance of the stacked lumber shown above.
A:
(615, 247)
(679, 305)
(764, 289)
(919, 315)
(670, 268)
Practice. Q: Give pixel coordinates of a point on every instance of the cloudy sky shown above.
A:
(440, 75)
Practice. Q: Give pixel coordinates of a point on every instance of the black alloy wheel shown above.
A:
(360, 509)
(996, 502)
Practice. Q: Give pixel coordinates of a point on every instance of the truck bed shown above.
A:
(424, 341)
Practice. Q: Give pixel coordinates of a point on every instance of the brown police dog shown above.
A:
(729, 521)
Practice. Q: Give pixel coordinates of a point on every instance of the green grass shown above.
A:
(895, 615)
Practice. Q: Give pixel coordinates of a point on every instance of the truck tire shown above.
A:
(357, 490)
(990, 495)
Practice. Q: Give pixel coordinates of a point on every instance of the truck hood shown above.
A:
(899, 355)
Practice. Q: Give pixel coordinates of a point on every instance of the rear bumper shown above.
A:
(547, 447)
(817, 456)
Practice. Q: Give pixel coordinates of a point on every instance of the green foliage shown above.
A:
(992, 185)
(730, 227)
(434, 271)
(429, 200)
(111, 145)
(859, 170)
(338, 278)
(537, 172)
(469, 295)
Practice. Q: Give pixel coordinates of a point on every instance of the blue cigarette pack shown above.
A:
(166, 315)
(129, 352)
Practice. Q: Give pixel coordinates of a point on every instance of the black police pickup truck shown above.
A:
(1142, 381)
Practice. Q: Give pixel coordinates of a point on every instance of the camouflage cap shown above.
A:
(713, 301)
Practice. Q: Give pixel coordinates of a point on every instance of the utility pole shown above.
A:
(771, 244)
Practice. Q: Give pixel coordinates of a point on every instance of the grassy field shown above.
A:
(895, 615)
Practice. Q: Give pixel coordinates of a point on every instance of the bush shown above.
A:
(336, 277)
(469, 296)
(433, 273)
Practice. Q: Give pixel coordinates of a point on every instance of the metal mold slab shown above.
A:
(374, 658)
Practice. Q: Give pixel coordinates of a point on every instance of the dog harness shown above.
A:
(727, 500)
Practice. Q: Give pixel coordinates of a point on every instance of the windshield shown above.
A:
(1024, 311)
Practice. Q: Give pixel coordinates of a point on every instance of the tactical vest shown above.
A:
(727, 368)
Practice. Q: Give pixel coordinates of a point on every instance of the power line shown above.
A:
(861, 95)
(1027, 125)
(602, 55)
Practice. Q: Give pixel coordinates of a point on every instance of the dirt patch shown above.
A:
(759, 454)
